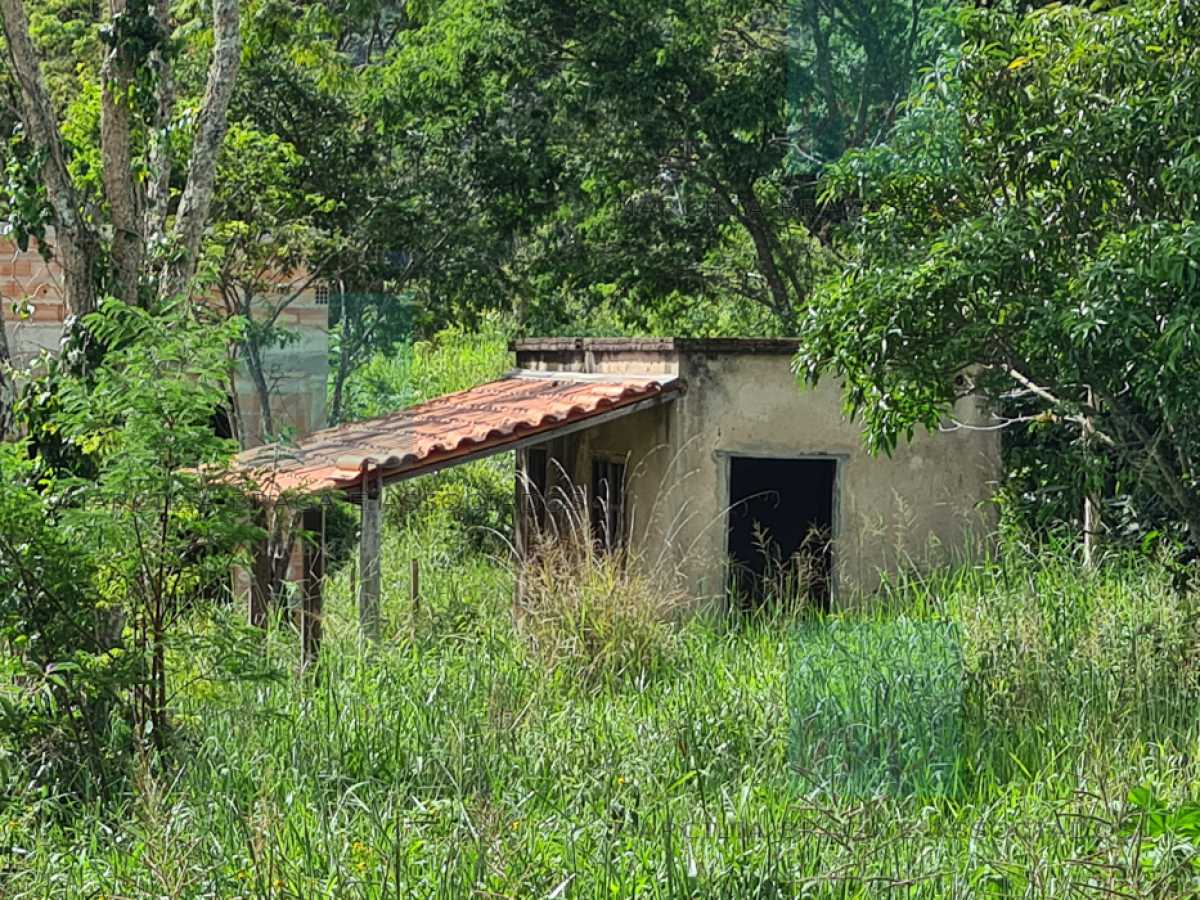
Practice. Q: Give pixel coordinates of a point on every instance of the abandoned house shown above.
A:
(699, 458)
(703, 457)
(739, 470)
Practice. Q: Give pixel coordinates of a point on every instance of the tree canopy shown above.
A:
(654, 166)
(1029, 231)
(938, 199)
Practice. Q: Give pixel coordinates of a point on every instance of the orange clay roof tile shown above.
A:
(449, 429)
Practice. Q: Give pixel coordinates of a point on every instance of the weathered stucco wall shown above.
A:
(928, 504)
(925, 505)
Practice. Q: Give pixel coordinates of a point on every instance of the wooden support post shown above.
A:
(522, 513)
(1091, 529)
(1092, 523)
(260, 577)
(414, 585)
(312, 585)
(368, 556)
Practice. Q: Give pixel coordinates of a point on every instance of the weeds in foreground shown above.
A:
(451, 761)
(588, 606)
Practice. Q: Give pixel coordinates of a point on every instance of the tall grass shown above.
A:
(589, 603)
(452, 761)
(1015, 728)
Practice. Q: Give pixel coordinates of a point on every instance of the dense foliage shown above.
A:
(101, 562)
(654, 166)
(1029, 233)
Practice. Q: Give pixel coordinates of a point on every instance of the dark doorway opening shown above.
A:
(781, 529)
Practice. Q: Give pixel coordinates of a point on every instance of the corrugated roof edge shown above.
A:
(634, 345)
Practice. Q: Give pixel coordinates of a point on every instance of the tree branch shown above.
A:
(1083, 421)
(158, 189)
(196, 201)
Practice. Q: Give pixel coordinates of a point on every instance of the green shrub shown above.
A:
(66, 672)
(97, 572)
(597, 618)
(471, 504)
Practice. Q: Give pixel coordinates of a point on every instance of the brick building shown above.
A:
(32, 312)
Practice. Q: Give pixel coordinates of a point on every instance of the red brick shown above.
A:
(47, 312)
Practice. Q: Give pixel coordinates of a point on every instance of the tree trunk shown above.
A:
(825, 68)
(368, 556)
(76, 241)
(261, 389)
(194, 205)
(158, 677)
(758, 228)
(77, 250)
(7, 387)
(237, 420)
(128, 242)
(279, 551)
(158, 186)
(1091, 529)
(1091, 503)
(312, 586)
(342, 373)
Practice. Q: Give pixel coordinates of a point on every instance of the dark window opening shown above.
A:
(608, 504)
(535, 481)
(781, 530)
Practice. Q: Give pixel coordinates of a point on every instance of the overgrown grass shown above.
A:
(1016, 728)
(451, 761)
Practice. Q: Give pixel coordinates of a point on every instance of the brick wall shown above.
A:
(31, 308)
